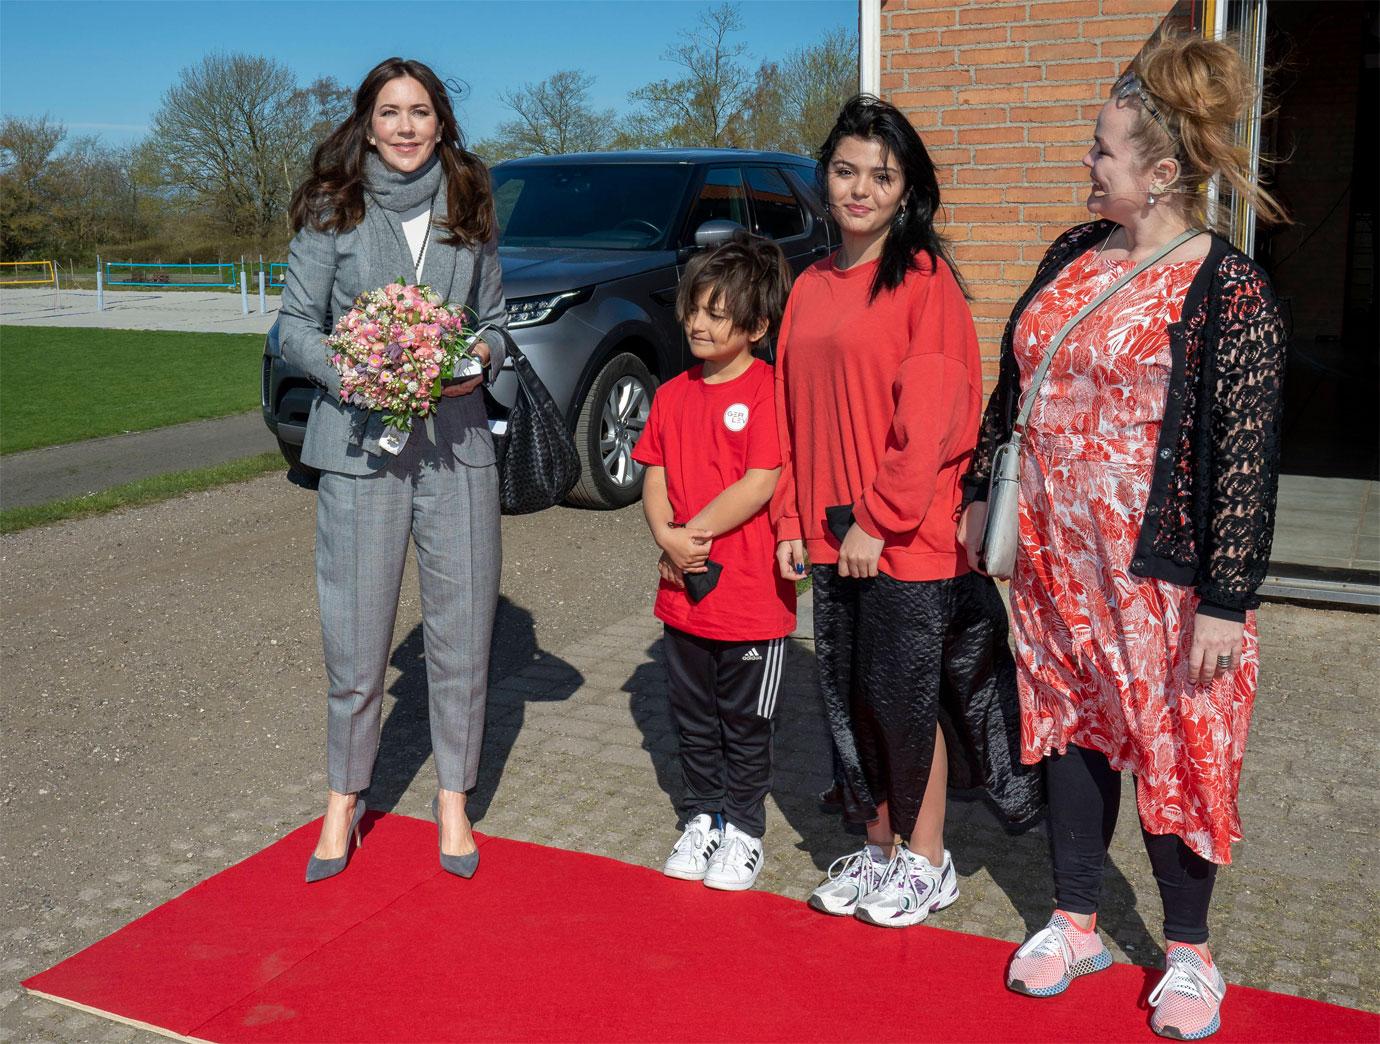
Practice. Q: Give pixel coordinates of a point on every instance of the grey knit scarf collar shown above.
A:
(398, 191)
(388, 193)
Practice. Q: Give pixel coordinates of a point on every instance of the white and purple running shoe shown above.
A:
(911, 890)
(850, 878)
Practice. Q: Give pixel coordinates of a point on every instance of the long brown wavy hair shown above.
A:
(331, 198)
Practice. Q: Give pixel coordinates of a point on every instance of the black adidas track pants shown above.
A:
(723, 698)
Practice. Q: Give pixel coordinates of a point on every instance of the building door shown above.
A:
(1318, 62)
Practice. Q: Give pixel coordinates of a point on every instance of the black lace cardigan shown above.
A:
(1209, 518)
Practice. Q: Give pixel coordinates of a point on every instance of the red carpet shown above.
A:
(545, 944)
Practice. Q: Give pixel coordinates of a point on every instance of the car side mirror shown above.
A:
(716, 233)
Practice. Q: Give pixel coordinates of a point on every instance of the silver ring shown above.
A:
(1223, 662)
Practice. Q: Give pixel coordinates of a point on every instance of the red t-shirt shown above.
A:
(707, 436)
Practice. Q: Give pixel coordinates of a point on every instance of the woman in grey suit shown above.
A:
(392, 192)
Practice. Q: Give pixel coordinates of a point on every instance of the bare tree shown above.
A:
(95, 197)
(553, 118)
(64, 197)
(26, 146)
(793, 104)
(815, 82)
(701, 107)
(329, 102)
(763, 122)
(232, 133)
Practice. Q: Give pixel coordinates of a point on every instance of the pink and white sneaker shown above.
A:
(1054, 956)
(1187, 1003)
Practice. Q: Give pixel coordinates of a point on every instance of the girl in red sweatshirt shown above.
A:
(879, 395)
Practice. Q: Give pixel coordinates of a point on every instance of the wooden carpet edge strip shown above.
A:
(148, 1027)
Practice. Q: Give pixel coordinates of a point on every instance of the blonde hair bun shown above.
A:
(1203, 81)
(1203, 90)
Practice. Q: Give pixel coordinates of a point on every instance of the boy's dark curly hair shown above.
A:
(748, 280)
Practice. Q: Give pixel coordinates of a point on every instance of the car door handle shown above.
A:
(664, 297)
(819, 249)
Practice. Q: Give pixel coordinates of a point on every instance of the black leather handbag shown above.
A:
(537, 462)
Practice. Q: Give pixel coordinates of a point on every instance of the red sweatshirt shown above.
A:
(878, 405)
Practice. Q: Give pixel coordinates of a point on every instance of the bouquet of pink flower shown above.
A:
(396, 348)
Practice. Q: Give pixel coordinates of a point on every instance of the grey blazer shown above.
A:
(326, 272)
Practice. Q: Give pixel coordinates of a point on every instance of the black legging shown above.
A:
(1084, 797)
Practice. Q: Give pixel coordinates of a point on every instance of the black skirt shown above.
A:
(897, 658)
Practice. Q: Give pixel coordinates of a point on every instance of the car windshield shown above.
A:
(592, 206)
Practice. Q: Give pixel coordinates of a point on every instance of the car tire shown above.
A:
(299, 474)
(610, 420)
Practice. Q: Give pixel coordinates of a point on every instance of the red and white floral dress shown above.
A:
(1102, 654)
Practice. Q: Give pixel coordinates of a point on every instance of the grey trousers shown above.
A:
(450, 510)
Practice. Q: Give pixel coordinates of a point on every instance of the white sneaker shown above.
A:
(689, 859)
(850, 878)
(910, 891)
(735, 866)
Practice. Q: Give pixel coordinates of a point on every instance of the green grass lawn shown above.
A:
(63, 384)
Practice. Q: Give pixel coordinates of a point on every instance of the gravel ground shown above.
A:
(163, 717)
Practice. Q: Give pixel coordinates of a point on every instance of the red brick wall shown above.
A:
(1004, 95)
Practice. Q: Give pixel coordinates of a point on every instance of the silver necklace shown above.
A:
(426, 237)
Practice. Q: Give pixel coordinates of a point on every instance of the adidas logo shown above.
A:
(751, 654)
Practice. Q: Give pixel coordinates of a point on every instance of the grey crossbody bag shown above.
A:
(1000, 535)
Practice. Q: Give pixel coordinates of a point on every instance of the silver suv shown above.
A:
(592, 247)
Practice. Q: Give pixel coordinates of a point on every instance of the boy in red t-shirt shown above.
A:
(713, 458)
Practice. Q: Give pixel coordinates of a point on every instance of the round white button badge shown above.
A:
(736, 417)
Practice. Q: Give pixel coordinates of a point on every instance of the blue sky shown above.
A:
(101, 67)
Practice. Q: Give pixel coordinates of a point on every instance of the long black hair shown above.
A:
(912, 230)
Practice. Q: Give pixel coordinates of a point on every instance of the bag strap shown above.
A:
(1028, 399)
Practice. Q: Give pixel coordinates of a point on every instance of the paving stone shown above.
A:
(595, 770)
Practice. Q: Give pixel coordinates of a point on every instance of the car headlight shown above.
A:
(533, 311)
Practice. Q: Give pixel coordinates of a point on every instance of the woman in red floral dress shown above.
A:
(1146, 510)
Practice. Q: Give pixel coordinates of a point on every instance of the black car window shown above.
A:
(776, 212)
(596, 206)
(722, 197)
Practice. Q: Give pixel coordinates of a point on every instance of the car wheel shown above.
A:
(607, 428)
(300, 474)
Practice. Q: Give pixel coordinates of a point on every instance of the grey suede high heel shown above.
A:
(320, 869)
(459, 865)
